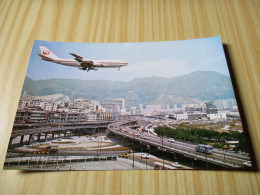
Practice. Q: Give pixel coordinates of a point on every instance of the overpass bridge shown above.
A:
(55, 130)
(220, 158)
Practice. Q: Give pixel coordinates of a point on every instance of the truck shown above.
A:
(207, 149)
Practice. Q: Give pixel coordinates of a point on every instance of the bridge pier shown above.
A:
(45, 138)
(53, 134)
(64, 133)
(39, 137)
(30, 138)
(72, 132)
(21, 140)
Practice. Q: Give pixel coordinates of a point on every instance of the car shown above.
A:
(247, 164)
(176, 164)
(171, 140)
(145, 155)
(124, 155)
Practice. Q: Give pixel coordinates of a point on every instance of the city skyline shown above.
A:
(92, 109)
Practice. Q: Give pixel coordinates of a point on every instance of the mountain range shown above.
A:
(189, 88)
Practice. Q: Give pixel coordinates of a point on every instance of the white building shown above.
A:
(119, 102)
(191, 107)
(63, 109)
(218, 116)
(141, 107)
(225, 104)
(23, 103)
(181, 116)
(50, 106)
(111, 107)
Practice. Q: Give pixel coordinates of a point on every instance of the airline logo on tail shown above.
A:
(46, 52)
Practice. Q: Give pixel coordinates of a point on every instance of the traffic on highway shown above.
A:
(146, 135)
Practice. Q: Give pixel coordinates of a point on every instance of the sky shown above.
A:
(146, 59)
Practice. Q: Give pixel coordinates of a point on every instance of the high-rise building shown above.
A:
(115, 105)
(211, 108)
(111, 107)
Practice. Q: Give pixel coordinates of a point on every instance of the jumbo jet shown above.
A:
(79, 61)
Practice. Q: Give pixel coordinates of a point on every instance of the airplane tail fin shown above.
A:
(45, 52)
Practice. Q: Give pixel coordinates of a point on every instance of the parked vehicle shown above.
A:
(124, 155)
(145, 155)
(247, 164)
(207, 149)
(171, 140)
(159, 166)
(176, 164)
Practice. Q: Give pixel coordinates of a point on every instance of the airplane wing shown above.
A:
(84, 63)
(77, 57)
(80, 59)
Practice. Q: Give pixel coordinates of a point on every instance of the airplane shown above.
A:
(79, 61)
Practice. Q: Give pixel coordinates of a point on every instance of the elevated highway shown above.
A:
(56, 129)
(221, 158)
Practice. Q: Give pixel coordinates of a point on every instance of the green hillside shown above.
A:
(190, 88)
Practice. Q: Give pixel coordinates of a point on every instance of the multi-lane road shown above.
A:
(218, 157)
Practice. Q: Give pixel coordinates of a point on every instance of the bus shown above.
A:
(47, 150)
(207, 149)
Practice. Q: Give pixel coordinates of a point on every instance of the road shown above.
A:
(221, 158)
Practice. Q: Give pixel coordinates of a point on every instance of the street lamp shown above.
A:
(224, 155)
(100, 144)
(133, 158)
(141, 155)
(162, 151)
(97, 146)
(146, 163)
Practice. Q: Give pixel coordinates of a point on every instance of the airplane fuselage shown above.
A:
(97, 63)
(79, 62)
